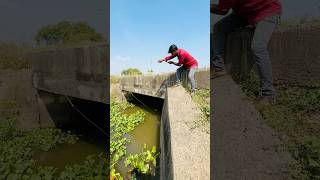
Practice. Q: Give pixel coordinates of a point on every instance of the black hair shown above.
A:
(172, 48)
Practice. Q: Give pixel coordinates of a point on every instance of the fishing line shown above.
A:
(85, 117)
(142, 102)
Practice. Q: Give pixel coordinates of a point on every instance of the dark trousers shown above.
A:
(262, 34)
(191, 73)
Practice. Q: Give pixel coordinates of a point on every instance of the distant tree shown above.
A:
(150, 71)
(131, 71)
(67, 33)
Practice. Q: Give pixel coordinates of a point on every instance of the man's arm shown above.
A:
(223, 7)
(175, 63)
(166, 58)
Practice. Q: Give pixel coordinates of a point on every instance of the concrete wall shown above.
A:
(16, 87)
(185, 149)
(294, 53)
(155, 85)
(166, 169)
(80, 72)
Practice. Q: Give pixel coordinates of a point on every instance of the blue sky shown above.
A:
(141, 32)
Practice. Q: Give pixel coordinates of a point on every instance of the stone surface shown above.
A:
(242, 145)
(185, 150)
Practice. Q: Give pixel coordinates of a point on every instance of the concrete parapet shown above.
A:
(80, 72)
(155, 85)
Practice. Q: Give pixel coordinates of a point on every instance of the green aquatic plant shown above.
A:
(120, 125)
(142, 163)
(17, 151)
(114, 175)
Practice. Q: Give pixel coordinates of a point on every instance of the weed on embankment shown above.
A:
(11, 56)
(296, 114)
(202, 98)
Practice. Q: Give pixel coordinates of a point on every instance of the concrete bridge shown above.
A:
(155, 85)
(81, 72)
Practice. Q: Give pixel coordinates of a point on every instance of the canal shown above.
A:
(148, 132)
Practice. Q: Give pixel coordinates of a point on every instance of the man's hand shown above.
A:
(160, 61)
(175, 63)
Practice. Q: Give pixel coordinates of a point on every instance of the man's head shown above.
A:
(173, 49)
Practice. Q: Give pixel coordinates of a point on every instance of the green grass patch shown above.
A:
(202, 98)
(291, 115)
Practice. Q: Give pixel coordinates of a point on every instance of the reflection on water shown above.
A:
(91, 142)
(67, 154)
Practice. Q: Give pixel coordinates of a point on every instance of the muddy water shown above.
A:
(146, 133)
(66, 154)
(91, 142)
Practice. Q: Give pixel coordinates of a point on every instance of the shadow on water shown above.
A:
(91, 139)
(147, 132)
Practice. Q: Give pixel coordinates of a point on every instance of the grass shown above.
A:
(114, 79)
(202, 99)
(299, 23)
(11, 56)
(295, 114)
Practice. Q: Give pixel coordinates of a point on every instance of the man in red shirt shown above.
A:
(263, 15)
(187, 63)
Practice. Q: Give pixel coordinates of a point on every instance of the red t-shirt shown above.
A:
(252, 10)
(185, 59)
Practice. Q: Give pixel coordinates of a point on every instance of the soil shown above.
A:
(242, 145)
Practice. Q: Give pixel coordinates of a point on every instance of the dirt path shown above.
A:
(190, 146)
(242, 146)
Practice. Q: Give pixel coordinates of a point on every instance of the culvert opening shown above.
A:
(144, 101)
(64, 111)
